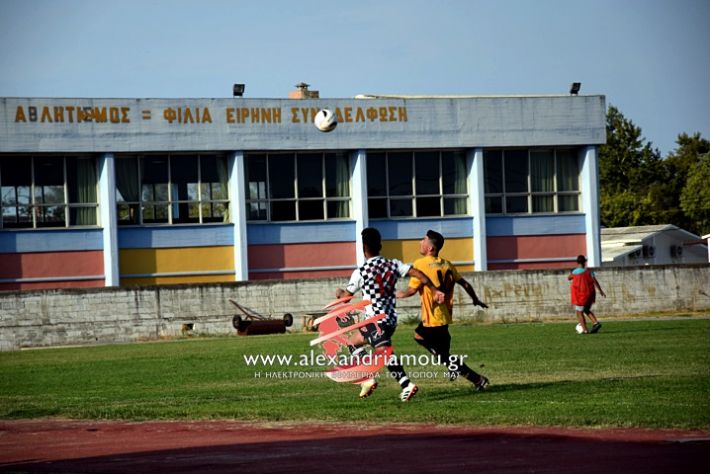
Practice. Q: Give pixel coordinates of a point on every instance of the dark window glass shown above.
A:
(16, 183)
(184, 178)
(310, 175)
(567, 171)
(283, 210)
(376, 175)
(399, 173)
(310, 210)
(337, 174)
(455, 206)
(256, 177)
(516, 171)
(567, 203)
(281, 177)
(427, 172)
(377, 208)
(493, 171)
(516, 204)
(49, 180)
(454, 175)
(155, 178)
(400, 207)
(428, 207)
(494, 205)
(214, 178)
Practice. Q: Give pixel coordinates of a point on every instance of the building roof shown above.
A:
(641, 232)
(619, 241)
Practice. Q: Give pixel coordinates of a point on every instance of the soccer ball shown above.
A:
(579, 328)
(325, 120)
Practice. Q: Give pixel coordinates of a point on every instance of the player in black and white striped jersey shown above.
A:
(377, 278)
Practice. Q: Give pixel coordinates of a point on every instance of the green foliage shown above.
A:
(637, 187)
(632, 374)
(626, 162)
(695, 197)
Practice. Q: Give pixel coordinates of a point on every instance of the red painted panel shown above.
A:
(345, 274)
(533, 265)
(302, 255)
(51, 285)
(535, 246)
(51, 264)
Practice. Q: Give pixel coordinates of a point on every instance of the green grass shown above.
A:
(653, 374)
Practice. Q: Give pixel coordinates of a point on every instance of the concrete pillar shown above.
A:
(109, 220)
(358, 162)
(237, 213)
(590, 204)
(477, 203)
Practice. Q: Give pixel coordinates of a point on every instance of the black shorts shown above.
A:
(378, 334)
(437, 337)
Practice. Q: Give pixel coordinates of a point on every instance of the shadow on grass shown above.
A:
(573, 385)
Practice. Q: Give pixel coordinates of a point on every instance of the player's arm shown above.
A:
(439, 296)
(410, 291)
(340, 293)
(469, 290)
(353, 286)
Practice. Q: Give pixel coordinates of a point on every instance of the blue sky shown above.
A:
(651, 58)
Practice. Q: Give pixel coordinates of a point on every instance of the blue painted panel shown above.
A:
(59, 240)
(297, 233)
(499, 226)
(416, 228)
(175, 236)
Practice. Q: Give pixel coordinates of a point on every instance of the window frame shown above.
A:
(296, 199)
(172, 201)
(530, 194)
(412, 198)
(36, 206)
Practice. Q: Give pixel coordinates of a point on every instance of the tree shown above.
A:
(632, 175)
(681, 163)
(695, 197)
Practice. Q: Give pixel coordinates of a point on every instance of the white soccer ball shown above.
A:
(325, 120)
(579, 328)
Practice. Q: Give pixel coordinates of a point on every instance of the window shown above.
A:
(416, 184)
(297, 186)
(171, 189)
(48, 191)
(531, 181)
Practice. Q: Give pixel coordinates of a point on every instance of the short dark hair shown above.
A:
(372, 239)
(581, 259)
(436, 238)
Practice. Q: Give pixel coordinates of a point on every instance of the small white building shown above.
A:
(651, 245)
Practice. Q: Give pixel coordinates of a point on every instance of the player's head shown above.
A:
(431, 243)
(371, 240)
(581, 260)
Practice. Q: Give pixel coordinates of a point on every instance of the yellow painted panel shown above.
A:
(176, 280)
(163, 260)
(404, 250)
(455, 250)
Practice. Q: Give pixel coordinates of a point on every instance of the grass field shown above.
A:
(653, 374)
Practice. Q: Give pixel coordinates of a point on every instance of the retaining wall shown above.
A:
(109, 315)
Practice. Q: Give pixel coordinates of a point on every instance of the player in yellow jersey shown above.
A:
(433, 330)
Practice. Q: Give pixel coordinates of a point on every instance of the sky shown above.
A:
(650, 58)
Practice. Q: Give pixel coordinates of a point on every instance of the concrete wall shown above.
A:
(107, 315)
(142, 125)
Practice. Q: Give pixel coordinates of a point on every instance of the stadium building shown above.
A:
(109, 192)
